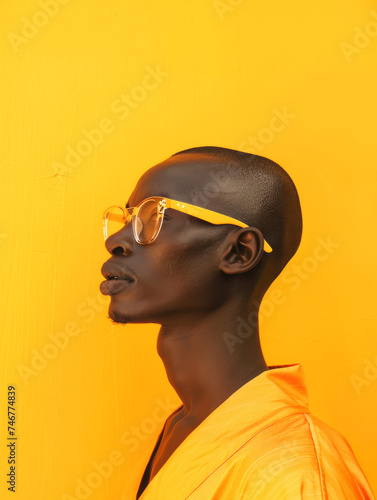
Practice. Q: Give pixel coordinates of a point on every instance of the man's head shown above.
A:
(193, 266)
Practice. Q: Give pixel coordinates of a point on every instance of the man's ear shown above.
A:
(244, 251)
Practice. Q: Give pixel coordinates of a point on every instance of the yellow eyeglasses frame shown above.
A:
(180, 206)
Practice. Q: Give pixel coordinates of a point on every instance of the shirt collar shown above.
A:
(274, 394)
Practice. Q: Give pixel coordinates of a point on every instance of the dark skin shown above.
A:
(194, 280)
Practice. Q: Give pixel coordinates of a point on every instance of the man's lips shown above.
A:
(111, 271)
(116, 275)
(117, 279)
(113, 286)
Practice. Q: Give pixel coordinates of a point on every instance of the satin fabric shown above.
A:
(262, 443)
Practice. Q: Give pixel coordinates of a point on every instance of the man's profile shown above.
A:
(202, 237)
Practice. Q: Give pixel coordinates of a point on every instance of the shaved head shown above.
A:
(250, 188)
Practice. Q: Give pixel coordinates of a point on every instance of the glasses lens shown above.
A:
(113, 220)
(147, 222)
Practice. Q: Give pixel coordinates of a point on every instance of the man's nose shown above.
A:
(122, 242)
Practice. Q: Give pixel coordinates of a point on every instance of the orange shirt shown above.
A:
(262, 443)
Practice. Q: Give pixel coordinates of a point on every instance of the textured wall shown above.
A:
(93, 94)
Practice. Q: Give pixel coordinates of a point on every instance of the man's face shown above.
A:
(176, 274)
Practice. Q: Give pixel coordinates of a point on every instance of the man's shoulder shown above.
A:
(324, 432)
(300, 453)
(304, 434)
(299, 444)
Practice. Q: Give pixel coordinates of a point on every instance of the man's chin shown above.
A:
(119, 317)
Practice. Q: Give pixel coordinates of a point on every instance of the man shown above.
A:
(207, 232)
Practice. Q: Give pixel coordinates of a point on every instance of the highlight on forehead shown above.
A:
(178, 178)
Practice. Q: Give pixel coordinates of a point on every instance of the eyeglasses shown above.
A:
(148, 215)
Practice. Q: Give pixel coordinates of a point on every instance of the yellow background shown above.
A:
(224, 70)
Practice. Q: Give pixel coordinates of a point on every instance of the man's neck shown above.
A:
(202, 365)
